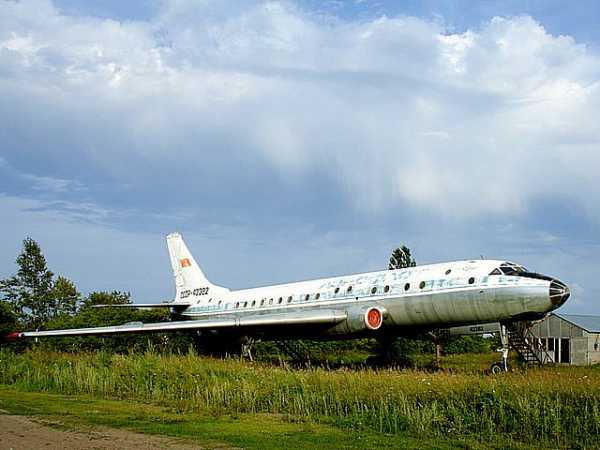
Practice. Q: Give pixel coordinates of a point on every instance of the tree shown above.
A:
(468, 344)
(401, 258)
(8, 319)
(30, 291)
(106, 298)
(64, 297)
(9, 324)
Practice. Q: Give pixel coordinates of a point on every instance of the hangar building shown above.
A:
(569, 339)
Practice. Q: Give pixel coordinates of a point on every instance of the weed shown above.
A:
(557, 405)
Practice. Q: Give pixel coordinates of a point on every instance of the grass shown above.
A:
(260, 431)
(552, 407)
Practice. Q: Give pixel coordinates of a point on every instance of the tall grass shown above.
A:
(555, 405)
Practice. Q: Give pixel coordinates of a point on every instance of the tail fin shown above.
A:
(191, 283)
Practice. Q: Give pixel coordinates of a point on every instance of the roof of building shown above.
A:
(590, 324)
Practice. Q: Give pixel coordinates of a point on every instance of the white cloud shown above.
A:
(395, 110)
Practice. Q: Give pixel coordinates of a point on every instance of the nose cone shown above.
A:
(559, 293)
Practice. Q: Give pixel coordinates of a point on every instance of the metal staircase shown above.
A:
(527, 346)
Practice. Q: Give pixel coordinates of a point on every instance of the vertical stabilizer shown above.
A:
(191, 283)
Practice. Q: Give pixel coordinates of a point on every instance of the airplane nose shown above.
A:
(559, 293)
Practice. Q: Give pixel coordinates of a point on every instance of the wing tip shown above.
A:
(12, 336)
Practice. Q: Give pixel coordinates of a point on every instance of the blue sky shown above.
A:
(290, 140)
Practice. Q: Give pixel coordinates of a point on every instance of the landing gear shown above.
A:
(393, 351)
(496, 368)
(502, 365)
(224, 346)
(246, 350)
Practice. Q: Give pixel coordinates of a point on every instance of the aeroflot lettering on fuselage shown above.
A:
(196, 292)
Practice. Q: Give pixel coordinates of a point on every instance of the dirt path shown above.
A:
(25, 433)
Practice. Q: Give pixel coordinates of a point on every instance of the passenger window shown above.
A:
(421, 284)
(337, 289)
(280, 300)
(270, 301)
(374, 290)
(471, 280)
(253, 302)
(407, 286)
(317, 296)
(349, 289)
(448, 271)
(245, 304)
(386, 289)
(262, 302)
(237, 304)
(307, 297)
(290, 299)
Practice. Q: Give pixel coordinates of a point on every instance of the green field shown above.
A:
(256, 405)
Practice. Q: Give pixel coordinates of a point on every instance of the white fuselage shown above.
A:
(429, 296)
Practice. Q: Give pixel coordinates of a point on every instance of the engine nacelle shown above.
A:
(366, 318)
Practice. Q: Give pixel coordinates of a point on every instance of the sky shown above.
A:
(289, 140)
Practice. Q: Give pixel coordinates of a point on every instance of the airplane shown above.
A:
(394, 303)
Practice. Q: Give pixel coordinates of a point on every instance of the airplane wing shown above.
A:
(144, 305)
(263, 320)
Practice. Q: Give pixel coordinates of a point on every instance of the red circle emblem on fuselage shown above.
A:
(374, 318)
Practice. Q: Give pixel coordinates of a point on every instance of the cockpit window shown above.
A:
(496, 271)
(511, 269)
(508, 270)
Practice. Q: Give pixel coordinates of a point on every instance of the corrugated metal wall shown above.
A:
(583, 347)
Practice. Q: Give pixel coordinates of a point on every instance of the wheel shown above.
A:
(496, 368)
